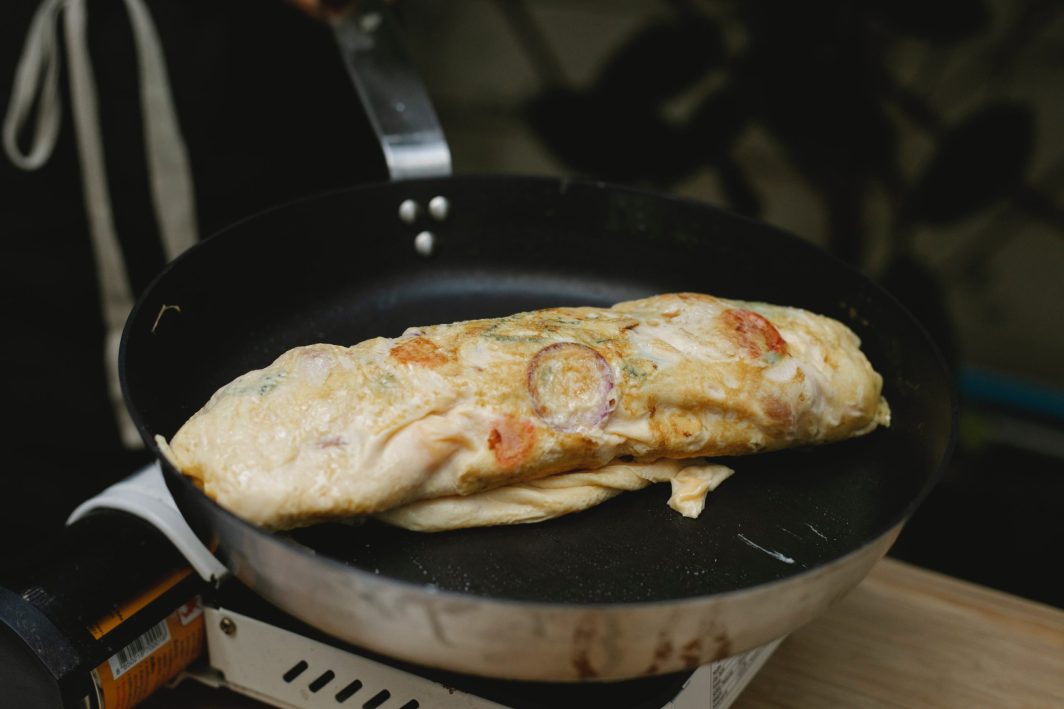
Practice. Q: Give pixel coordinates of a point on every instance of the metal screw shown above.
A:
(439, 208)
(409, 210)
(227, 626)
(425, 243)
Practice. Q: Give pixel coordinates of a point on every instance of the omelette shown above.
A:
(527, 417)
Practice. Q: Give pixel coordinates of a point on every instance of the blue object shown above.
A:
(991, 387)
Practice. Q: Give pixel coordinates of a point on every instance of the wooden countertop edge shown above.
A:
(956, 595)
(907, 636)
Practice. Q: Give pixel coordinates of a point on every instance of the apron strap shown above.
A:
(37, 73)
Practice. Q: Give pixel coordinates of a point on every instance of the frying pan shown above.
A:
(626, 589)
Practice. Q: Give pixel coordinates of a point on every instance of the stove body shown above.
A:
(133, 602)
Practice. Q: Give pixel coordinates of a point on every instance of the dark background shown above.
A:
(923, 142)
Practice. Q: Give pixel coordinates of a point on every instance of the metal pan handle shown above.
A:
(392, 92)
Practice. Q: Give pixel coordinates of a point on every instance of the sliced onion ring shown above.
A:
(571, 386)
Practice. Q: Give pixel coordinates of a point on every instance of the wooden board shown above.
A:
(908, 637)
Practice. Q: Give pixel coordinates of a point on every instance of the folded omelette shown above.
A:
(526, 417)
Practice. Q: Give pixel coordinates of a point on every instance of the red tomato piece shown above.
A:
(756, 335)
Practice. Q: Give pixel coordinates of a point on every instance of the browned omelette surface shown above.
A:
(328, 432)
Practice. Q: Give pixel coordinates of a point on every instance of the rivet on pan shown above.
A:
(425, 243)
(227, 626)
(439, 208)
(409, 211)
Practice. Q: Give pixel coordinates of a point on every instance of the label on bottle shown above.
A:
(152, 659)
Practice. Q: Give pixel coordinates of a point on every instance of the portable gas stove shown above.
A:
(132, 601)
